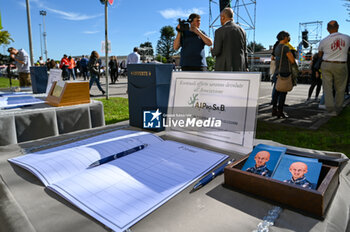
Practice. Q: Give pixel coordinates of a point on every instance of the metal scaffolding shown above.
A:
(314, 34)
(244, 15)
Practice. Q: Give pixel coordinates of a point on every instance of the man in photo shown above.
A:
(298, 170)
(261, 158)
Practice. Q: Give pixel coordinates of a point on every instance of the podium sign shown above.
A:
(66, 93)
(215, 108)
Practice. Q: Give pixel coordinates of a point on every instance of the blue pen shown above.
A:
(212, 175)
(116, 156)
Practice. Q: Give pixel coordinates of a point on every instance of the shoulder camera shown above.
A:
(185, 25)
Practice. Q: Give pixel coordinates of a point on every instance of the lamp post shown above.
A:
(105, 3)
(41, 42)
(43, 13)
(29, 33)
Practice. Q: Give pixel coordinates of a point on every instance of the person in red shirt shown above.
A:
(64, 66)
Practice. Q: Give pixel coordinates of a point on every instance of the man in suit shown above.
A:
(230, 44)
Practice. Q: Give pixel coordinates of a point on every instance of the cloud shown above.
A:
(63, 14)
(73, 16)
(90, 32)
(22, 4)
(150, 33)
(179, 13)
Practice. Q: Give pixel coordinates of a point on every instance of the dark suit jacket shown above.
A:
(230, 48)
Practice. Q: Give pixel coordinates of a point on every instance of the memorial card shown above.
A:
(300, 171)
(215, 108)
(272, 161)
(57, 91)
(263, 159)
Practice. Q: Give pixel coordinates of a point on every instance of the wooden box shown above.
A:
(310, 201)
(71, 93)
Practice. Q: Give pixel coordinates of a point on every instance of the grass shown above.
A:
(5, 83)
(332, 136)
(116, 109)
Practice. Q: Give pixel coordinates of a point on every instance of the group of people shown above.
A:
(89, 68)
(329, 66)
(72, 68)
(50, 63)
(230, 51)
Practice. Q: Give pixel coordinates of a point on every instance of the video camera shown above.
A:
(185, 25)
(5, 60)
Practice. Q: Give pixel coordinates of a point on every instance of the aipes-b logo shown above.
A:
(152, 119)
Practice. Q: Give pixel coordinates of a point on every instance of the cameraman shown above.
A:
(192, 42)
(22, 63)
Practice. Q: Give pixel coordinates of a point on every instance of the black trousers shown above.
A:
(280, 98)
(114, 75)
(315, 82)
(193, 68)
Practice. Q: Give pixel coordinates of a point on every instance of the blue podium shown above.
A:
(148, 90)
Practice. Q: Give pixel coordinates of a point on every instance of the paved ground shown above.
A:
(115, 90)
(302, 114)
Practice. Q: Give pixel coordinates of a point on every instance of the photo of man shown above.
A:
(261, 158)
(298, 171)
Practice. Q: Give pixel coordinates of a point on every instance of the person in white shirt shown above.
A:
(41, 61)
(334, 51)
(21, 58)
(134, 57)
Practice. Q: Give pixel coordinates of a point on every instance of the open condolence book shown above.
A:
(121, 192)
(271, 161)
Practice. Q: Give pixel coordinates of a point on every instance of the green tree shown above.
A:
(258, 47)
(161, 58)
(165, 43)
(5, 37)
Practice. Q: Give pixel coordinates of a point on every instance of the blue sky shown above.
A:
(76, 27)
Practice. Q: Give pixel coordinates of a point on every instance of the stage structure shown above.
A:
(310, 34)
(146, 53)
(244, 15)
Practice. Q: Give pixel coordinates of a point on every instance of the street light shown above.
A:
(105, 3)
(29, 33)
(43, 13)
(41, 42)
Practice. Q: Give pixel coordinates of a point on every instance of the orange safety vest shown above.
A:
(71, 63)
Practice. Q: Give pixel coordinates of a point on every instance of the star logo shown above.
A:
(156, 115)
(152, 119)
